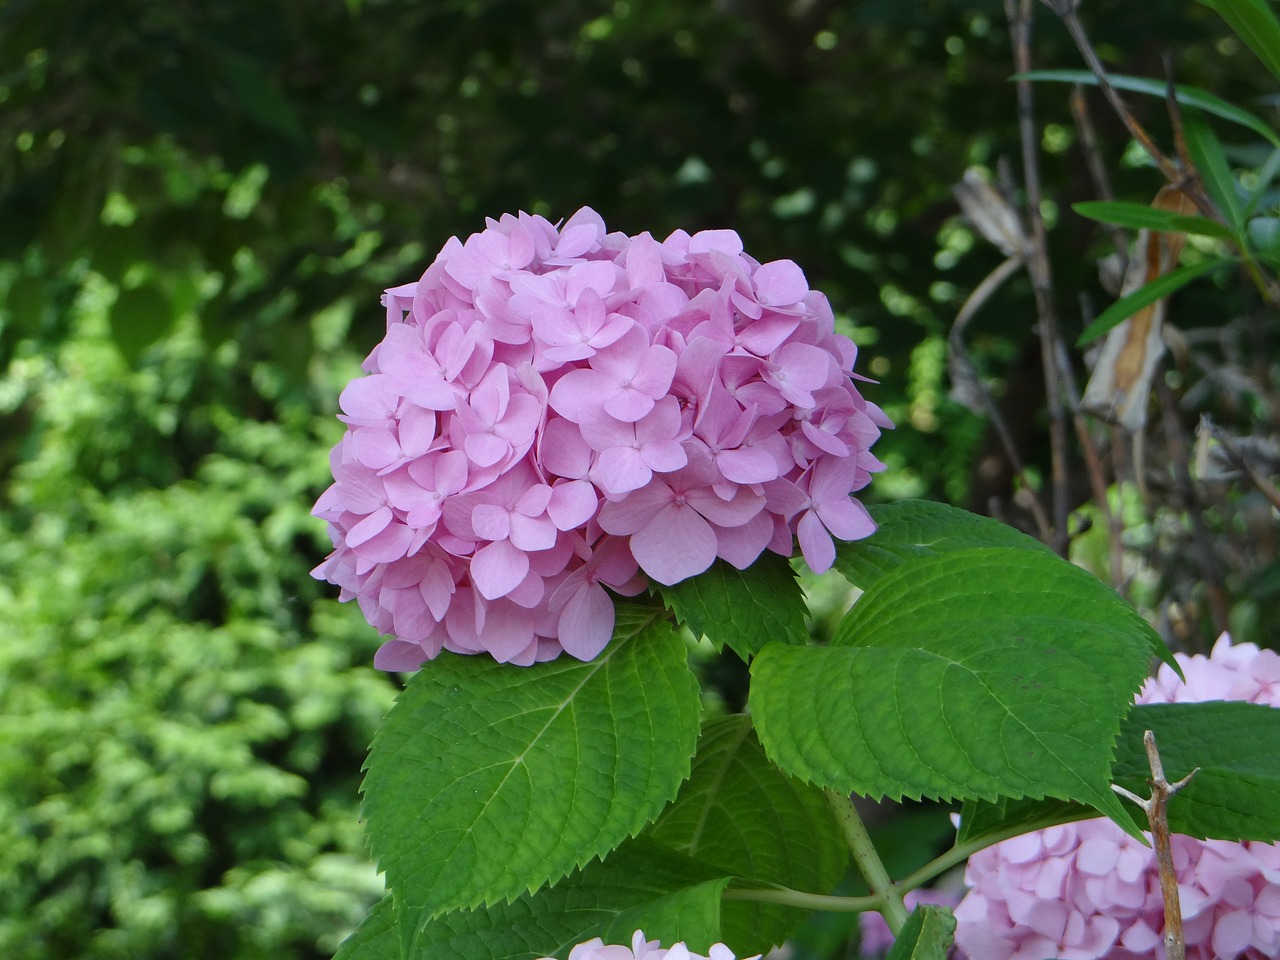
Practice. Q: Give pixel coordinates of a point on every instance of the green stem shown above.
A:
(868, 861)
(807, 901)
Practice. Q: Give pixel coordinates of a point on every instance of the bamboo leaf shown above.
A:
(1256, 25)
(1162, 286)
(1185, 95)
(1143, 217)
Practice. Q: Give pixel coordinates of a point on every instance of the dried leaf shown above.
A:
(1121, 380)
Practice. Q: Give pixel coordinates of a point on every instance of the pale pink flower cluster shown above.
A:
(554, 411)
(1086, 891)
(642, 949)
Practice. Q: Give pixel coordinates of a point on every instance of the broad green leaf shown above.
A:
(139, 317)
(1233, 797)
(742, 609)
(640, 886)
(911, 529)
(487, 780)
(1256, 25)
(376, 938)
(927, 935)
(1206, 154)
(979, 674)
(1237, 748)
(983, 823)
(1145, 217)
(1185, 95)
(1158, 288)
(742, 815)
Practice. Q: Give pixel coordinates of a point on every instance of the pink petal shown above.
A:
(621, 470)
(498, 568)
(815, 543)
(847, 518)
(572, 503)
(676, 544)
(780, 283)
(586, 624)
(747, 465)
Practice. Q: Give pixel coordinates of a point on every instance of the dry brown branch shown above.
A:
(1019, 14)
(1157, 810)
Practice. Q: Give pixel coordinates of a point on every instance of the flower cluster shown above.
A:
(642, 949)
(1085, 891)
(554, 411)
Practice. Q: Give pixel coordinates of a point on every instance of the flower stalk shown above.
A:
(868, 861)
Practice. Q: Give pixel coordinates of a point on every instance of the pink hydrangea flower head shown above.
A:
(642, 949)
(1088, 891)
(557, 411)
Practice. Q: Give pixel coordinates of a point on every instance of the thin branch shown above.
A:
(960, 353)
(1097, 170)
(1157, 810)
(1072, 22)
(1018, 13)
(1261, 482)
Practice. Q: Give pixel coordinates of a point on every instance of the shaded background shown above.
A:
(199, 206)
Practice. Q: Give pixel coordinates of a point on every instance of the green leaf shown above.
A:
(1206, 154)
(139, 318)
(1185, 95)
(927, 935)
(986, 823)
(1162, 286)
(487, 780)
(742, 609)
(742, 815)
(1256, 25)
(978, 674)
(640, 886)
(912, 529)
(1142, 217)
(1237, 748)
(376, 937)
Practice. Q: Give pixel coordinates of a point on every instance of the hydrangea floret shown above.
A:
(1088, 891)
(642, 949)
(557, 410)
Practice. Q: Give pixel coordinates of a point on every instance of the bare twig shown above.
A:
(968, 375)
(1261, 482)
(1157, 810)
(1072, 22)
(1097, 170)
(1018, 13)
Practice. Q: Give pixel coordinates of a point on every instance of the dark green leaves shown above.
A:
(933, 688)
(641, 886)
(742, 609)
(486, 781)
(743, 815)
(927, 935)
(1237, 748)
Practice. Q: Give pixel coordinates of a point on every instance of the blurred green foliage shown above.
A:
(201, 202)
